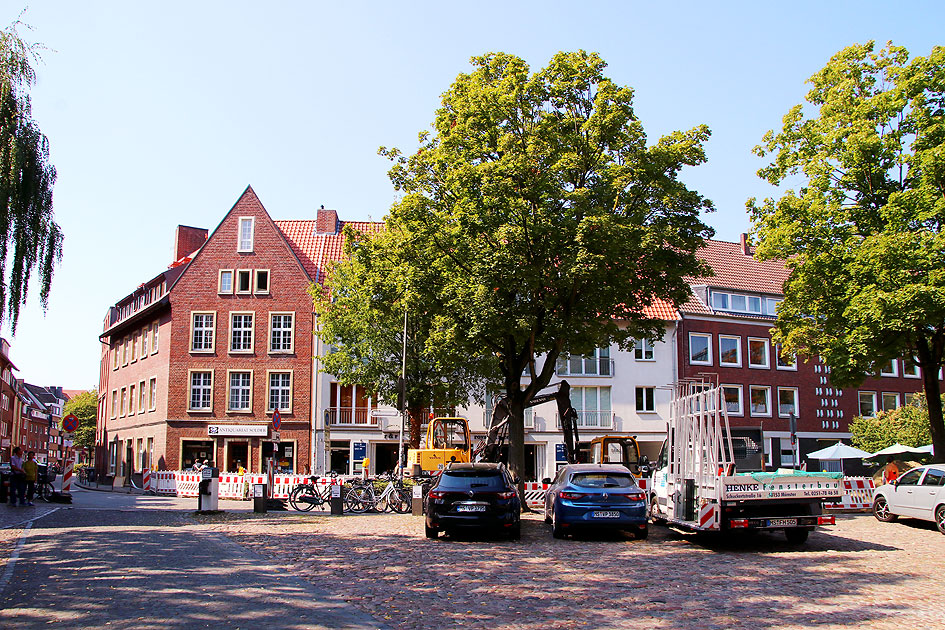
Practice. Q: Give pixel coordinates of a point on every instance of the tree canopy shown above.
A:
(537, 220)
(28, 232)
(85, 408)
(862, 235)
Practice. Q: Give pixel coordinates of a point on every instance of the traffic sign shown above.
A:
(276, 436)
(70, 423)
(276, 419)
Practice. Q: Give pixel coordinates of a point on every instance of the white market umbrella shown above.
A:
(838, 451)
(901, 449)
(925, 449)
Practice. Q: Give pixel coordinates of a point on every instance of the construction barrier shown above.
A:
(67, 477)
(146, 480)
(857, 494)
(535, 492)
(231, 485)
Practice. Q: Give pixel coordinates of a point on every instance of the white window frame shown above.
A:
(229, 392)
(767, 390)
(738, 353)
(142, 397)
(788, 367)
(767, 362)
(134, 347)
(640, 348)
(916, 370)
(116, 355)
(236, 282)
(152, 394)
(155, 328)
(291, 349)
(895, 369)
(708, 340)
(883, 400)
(123, 402)
(269, 375)
(256, 289)
(243, 244)
(220, 289)
(649, 396)
(212, 329)
(114, 413)
(145, 336)
(859, 403)
(741, 399)
(797, 403)
(190, 390)
(124, 351)
(252, 332)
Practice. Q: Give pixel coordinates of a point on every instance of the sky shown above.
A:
(160, 114)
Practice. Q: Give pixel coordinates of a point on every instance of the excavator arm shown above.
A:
(498, 435)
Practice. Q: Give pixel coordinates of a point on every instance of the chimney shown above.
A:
(187, 240)
(326, 221)
(746, 246)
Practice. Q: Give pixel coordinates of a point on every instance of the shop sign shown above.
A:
(238, 429)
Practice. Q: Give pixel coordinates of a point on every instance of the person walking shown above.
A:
(17, 478)
(30, 472)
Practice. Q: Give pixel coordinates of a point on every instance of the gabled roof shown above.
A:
(316, 250)
(740, 272)
(663, 310)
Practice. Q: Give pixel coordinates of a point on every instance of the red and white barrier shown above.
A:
(67, 477)
(146, 480)
(857, 494)
(535, 492)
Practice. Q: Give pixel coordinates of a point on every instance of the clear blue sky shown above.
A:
(160, 114)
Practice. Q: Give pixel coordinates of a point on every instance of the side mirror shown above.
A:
(546, 480)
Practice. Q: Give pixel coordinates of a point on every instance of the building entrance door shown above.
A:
(237, 454)
(385, 458)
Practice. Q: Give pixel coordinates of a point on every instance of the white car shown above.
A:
(918, 493)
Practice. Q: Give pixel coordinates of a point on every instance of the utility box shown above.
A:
(208, 492)
(260, 502)
(336, 503)
(416, 503)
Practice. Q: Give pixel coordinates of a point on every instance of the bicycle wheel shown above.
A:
(45, 492)
(361, 499)
(303, 498)
(400, 500)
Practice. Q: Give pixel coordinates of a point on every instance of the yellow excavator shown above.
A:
(448, 440)
(617, 449)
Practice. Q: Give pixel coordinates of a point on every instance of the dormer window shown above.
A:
(738, 303)
(246, 234)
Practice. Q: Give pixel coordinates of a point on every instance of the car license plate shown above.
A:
(607, 514)
(782, 522)
(470, 508)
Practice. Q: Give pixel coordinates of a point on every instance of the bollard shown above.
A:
(336, 503)
(259, 498)
(416, 503)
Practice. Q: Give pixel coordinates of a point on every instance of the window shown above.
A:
(771, 307)
(201, 338)
(243, 280)
(757, 353)
(281, 332)
(124, 351)
(645, 399)
(262, 281)
(114, 403)
(910, 368)
(785, 361)
(142, 397)
(643, 350)
(743, 303)
(933, 477)
(201, 391)
(592, 405)
(150, 452)
(154, 338)
(240, 391)
(152, 394)
(787, 401)
(700, 349)
(890, 401)
(759, 400)
(867, 404)
(246, 234)
(144, 342)
(733, 399)
(116, 355)
(241, 332)
(280, 391)
(911, 478)
(730, 351)
(225, 284)
(134, 348)
(890, 368)
(124, 402)
(912, 397)
(596, 364)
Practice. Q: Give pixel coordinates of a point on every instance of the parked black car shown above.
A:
(474, 496)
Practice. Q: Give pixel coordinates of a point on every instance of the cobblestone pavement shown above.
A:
(860, 573)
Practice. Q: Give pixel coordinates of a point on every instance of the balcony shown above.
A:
(592, 419)
(585, 366)
(350, 417)
(529, 418)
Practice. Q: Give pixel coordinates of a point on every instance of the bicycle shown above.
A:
(306, 496)
(395, 497)
(45, 491)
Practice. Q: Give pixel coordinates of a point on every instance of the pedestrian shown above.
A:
(890, 471)
(17, 478)
(30, 472)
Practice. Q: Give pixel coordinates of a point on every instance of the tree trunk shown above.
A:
(933, 397)
(415, 414)
(517, 444)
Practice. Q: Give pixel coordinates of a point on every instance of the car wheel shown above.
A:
(797, 535)
(881, 510)
(547, 517)
(642, 534)
(940, 518)
(655, 515)
(431, 532)
(556, 530)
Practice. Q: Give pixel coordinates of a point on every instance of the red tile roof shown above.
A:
(314, 250)
(663, 310)
(734, 270)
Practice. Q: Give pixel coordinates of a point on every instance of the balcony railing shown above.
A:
(592, 419)
(529, 418)
(585, 366)
(351, 417)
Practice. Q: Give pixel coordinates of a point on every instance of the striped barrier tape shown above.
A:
(67, 477)
(146, 480)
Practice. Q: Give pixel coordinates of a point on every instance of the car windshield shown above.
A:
(602, 480)
(471, 480)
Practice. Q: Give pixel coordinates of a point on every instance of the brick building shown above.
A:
(8, 400)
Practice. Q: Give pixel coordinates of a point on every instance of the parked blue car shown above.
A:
(603, 496)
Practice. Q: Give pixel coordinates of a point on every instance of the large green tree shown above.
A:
(862, 235)
(908, 425)
(537, 220)
(361, 310)
(85, 408)
(28, 230)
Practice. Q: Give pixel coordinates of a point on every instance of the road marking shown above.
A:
(11, 563)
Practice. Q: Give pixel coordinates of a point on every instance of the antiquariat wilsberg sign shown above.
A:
(238, 429)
